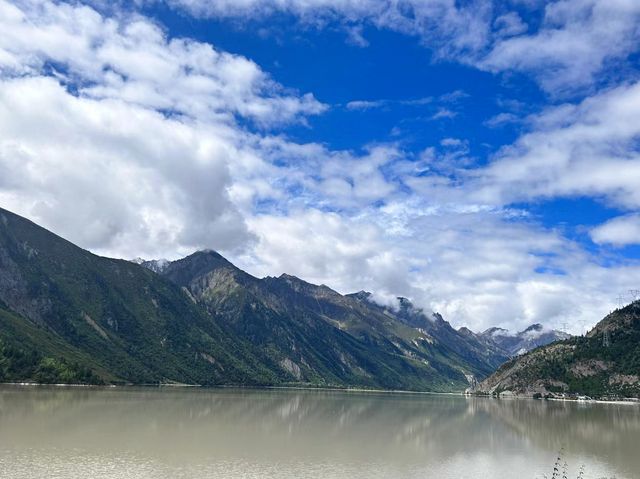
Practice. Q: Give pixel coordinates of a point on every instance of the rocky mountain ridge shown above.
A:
(67, 315)
(523, 341)
(603, 363)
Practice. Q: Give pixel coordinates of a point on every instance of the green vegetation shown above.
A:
(67, 315)
(604, 363)
(119, 320)
(20, 364)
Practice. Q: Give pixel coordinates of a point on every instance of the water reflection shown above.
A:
(274, 433)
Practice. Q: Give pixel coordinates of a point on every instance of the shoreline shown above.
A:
(229, 386)
(629, 401)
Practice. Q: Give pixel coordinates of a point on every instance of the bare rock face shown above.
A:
(292, 368)
(590, 367)
(624, 380)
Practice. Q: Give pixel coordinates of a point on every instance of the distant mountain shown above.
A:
(155, 265)
(605, 362)
(323, 337)
(486, 356)
(519, 343)
(67, 315)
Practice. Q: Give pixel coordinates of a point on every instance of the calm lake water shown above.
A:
(196, 433)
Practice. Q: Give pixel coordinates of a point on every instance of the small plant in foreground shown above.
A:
(561, 468)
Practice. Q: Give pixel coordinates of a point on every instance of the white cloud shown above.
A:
(126, 141)
(476, 268)
(620, 231)
(443, 113)
(443, 24)
(133, 60)
(355, 36)
(500, 119)
(576, 40)
(122, 139)
(365, 104)
(451, 142)
(588, 149)
(450, 242)
(112, 176)
(509, 24)
(312, 175)
(569, 50)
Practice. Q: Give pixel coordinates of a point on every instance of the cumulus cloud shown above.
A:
(440, 229)
(576, 40)
(113, 176)
(133, 143)
(132, 59)
(122, 138)
(587, 149)
(620, 231)
(475, 267)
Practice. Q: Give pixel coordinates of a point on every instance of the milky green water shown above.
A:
(75, 433)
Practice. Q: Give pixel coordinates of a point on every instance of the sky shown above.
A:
(480, 158)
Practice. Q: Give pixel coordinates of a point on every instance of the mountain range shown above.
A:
(603, 363)
(67, 315)
(519, 343)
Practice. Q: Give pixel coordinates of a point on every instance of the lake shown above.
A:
(56, 432)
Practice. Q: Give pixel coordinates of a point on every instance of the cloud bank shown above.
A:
(131, 142)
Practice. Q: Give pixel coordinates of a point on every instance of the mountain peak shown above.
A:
(466, 331)
(494, 331)
(198, 264)
(207, 252)
(289, 277)
(361, 295)
(534, 327)
(155, 265)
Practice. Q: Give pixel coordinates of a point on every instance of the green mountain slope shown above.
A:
(605, 362)
(480, 356)
(134, 325)
(67, 315)
(322, 337)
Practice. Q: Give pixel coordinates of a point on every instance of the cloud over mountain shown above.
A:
(133, 140)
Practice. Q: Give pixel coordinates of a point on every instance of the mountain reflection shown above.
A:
(278, 425)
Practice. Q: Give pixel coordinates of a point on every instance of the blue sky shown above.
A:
(478, 157)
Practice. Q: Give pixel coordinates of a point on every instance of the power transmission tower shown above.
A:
(621, 301)
(606, 339)
(635, 294)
